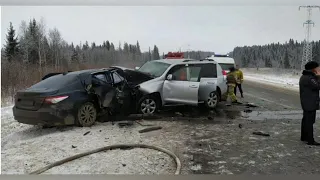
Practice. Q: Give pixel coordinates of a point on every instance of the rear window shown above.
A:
(57, 81)
(226, 67)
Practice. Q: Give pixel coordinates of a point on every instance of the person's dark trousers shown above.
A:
(309, 118)
(240, 89)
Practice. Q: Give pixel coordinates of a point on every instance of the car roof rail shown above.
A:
(188, 60)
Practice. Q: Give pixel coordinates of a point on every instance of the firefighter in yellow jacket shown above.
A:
(232, 82)
(239, 81)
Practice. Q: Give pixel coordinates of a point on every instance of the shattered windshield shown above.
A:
(154, 68)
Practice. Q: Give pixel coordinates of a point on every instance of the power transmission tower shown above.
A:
(307, 48)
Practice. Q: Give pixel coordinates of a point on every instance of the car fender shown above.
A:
(152, 86)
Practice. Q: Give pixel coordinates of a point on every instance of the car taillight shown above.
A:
(224, 72)
(56, 99)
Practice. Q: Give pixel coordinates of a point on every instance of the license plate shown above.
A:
(27, 103)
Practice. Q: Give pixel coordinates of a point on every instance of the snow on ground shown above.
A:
(6, 101)
(33, 147)
(278, 77)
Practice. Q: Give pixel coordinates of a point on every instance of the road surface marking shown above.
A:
(253, 96)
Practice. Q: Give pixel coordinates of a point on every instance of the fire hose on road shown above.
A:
(112, 147)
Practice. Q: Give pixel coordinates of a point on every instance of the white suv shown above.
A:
(181, 81)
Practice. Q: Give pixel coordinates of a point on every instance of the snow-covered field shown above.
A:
(278, 77)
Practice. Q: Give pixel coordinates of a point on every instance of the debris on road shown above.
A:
(125, 123)
(210, 118)
(86, 133)
(240, 126)
(261, 134)
(251, 105)
(178, 113)
(74, 146)
(150, 129)
(137, 121)
(247, 111)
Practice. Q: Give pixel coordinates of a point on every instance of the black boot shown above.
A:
(314, 143)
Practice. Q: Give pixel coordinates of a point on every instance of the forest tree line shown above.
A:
(287, 55)
(33, 44)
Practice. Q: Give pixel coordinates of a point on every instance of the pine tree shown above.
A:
(85, 46)
(138, 48)
(75, 56)
(155, 53)
(149, 55)
(112, 48)
(268, 62)
(108, 45)
(286, 62)
(12, 45)
(93, 45)
(126, 47)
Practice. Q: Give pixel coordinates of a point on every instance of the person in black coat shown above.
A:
(309, 86)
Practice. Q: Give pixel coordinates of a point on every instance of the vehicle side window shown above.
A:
(117, 78)
(208, 70)
(108, 77)
(179, 73)
(185, 73)
(101, 77)
(194, 73)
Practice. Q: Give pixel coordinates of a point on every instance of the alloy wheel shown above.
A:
(87, 115)
(212, 100)
(148, 106)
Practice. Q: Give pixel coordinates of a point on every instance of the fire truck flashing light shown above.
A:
(174, 55)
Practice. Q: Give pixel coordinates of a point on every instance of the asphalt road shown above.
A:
(271, 97)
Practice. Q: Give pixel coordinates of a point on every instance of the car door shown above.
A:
(182, 86)
(208, 80)
(123, 97)
(102, 88)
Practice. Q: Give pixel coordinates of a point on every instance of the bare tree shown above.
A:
(24, 40)
(55, 42)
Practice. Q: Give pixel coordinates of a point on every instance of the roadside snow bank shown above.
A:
(278, 77)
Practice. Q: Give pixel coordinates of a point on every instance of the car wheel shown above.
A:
(87, 115)
(148, 105)
(213, 100)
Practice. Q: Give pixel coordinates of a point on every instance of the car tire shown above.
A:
(148, 105)
(86, 115)
(212, 100)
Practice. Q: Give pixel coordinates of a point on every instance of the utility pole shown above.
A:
(307, 48)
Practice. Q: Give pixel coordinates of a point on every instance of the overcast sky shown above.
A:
(210, 28)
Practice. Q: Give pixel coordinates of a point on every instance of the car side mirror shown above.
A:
(169, 77)
(136, 68)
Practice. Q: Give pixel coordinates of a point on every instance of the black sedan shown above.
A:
(78, 97)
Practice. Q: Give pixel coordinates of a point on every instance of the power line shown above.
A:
(307, 48)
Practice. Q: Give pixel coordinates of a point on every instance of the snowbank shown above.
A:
(278, 77)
